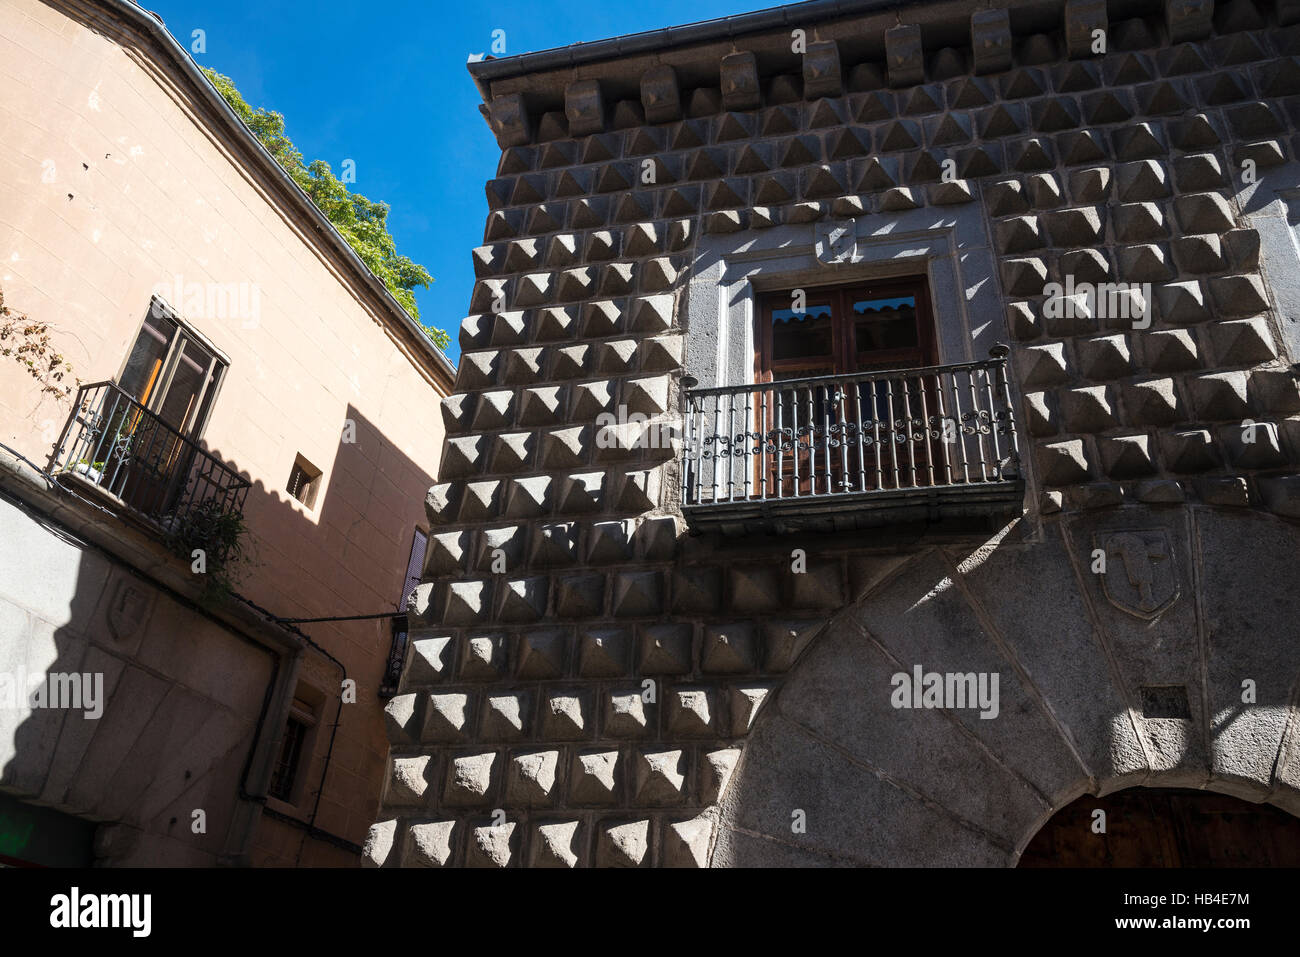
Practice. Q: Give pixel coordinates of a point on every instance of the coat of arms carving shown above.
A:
(837, 241)
(1139, 575)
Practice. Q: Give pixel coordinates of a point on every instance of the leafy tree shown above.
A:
(363, 223)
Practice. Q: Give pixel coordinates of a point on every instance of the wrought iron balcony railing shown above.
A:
(852, 450)
(142, 464)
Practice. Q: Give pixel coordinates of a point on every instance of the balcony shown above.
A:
(122, 454)
(844, 452)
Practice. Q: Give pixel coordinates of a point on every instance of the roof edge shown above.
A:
(137, 16)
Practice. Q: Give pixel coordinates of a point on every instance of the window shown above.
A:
(172, 371)
(295, 743)
(304, 478)
(865, 327)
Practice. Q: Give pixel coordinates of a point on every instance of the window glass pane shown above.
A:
(144, 366)
(885, 323)
(186, 387)
(802, 335)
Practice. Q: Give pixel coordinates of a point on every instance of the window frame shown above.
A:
(845, 358)
(214, 376)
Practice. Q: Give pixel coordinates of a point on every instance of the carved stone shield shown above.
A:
(128, 608)
(836, 241)
(1140, 576)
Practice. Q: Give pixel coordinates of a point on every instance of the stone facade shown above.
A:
(626, 694)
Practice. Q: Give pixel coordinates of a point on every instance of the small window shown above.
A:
(297, 733)
(304, 479)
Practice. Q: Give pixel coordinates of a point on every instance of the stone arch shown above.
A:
(1095, 694)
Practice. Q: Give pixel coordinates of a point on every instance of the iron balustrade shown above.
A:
(114, 443)
(940, 427)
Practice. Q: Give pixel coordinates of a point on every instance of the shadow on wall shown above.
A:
(180, 695)
(1091, 698)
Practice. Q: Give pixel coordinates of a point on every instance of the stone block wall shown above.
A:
(587, 674)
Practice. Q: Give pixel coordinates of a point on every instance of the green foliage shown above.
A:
(363, 223)
(219, 533)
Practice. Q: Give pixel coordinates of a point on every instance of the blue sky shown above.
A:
(384, 83)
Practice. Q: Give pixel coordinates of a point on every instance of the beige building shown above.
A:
(235, 357)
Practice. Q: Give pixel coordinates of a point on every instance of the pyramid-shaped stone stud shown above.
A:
(1235, 296)
(1079, 226)
(571, 362)
(408, 780)
(1091, 185)
(1243, 342)
(659, 777)
(1053, 114)
(729, 649)
(625, 713)
(641, 239)
(512, 451)
(1024, 277)
(1203, 213)
(402, 719)
(463, 456)
(649, 395)
(502, 225)
(555, 544)
(575, 284)
(492, 845)
(428, 844)
(564, 715)
(601, 245)
(1145, 263)
(624, 845)
(697, 590)
(488, 260)
(588, 213)
(600, 318)
(541, 405)
(1127, 456)
(1062, 463)
(691, 711)
(494, 410)
(715, 773)
(579, 596)
(775, 189)
(664, 649)
(686, 843)
(574, 182)
(1023, 321)
(1137, 222)
(1137, 141)
(530, 781)
(523, 599)
(1200, 254)
(542, 654)
(1188, 450)
(446, 553)
(464, 602)
(528, 497)
(632, 207)
(746, 702)
(609, 542)
(1253, 445)
(545, 219)
(1089, 409)
(581, 492)
(638, 491)
(1018, 234)
(1106, 357)
(1040, 419)
(1081, 146)
(469, 779)
(477, 370)
(1172, 350)
(505, 716)
(446, 717)
(522, 366)
(637, 594)
(848, 142)
(754, 588)
(590, 399)
(615, 357)
(484, 658)
(603, 652)
(1161, 99)
(428, 661)
(658, 275)
(497, 545)
(556, 845)
(1006, 198)
(509, 329)
(480, 501)
(662, 354)
(784, 641)
(899, 135)
(1152, 402)
(593, 777)
(1021, 84)
(1032, 155)
(1220, 396)
(616, 279)
(950, 193)
(1044, 366)
(1142, 180)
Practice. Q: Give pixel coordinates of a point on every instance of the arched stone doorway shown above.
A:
(1157, 827)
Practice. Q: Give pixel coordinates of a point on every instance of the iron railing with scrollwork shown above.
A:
(851, 435)
(115, 444)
